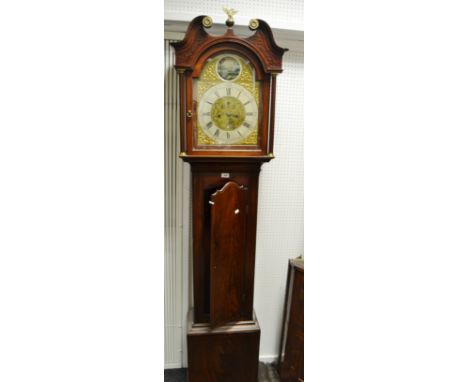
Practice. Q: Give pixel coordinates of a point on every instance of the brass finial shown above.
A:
(253, 24)
(230, 12)
(207, 22)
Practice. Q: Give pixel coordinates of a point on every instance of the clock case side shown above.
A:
(266, 57)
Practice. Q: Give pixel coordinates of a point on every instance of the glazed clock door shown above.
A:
(229, 212)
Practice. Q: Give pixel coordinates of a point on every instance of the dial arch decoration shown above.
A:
(227, 102)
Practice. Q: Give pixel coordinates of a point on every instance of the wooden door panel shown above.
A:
(228, 250)
(207, 178)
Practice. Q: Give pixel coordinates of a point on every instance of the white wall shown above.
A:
(278, 13)
(280, 225)
(280, 216)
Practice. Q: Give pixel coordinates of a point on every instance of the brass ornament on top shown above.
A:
(230, 12)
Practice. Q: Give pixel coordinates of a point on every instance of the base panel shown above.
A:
(227, 353)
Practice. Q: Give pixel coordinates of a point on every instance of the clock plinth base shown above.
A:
(227, 353)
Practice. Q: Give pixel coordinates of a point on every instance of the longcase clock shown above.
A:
(227, 89)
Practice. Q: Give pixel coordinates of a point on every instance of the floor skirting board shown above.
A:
(172, 365)
(268, 358)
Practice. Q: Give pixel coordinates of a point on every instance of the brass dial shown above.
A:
(227, 113)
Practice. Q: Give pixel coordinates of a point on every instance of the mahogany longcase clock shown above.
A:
(227, 103)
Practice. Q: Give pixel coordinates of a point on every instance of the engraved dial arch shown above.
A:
(227, 113)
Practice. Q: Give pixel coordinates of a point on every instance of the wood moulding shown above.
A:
(197, 41)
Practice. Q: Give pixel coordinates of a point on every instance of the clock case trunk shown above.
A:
(223, 240)
(223, 332)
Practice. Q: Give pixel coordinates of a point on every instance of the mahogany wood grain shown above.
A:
(206, 180)
(197, 41)
(223, 354)
(182, 108)
(229, 214)
(272, 111)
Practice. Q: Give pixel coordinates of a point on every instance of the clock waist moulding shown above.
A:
(227, 89)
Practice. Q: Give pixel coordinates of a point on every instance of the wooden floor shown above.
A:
(266, 373)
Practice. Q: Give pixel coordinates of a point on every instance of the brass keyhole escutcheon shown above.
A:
(189, 114)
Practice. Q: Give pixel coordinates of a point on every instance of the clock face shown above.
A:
(227, 102)
(227, 113)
